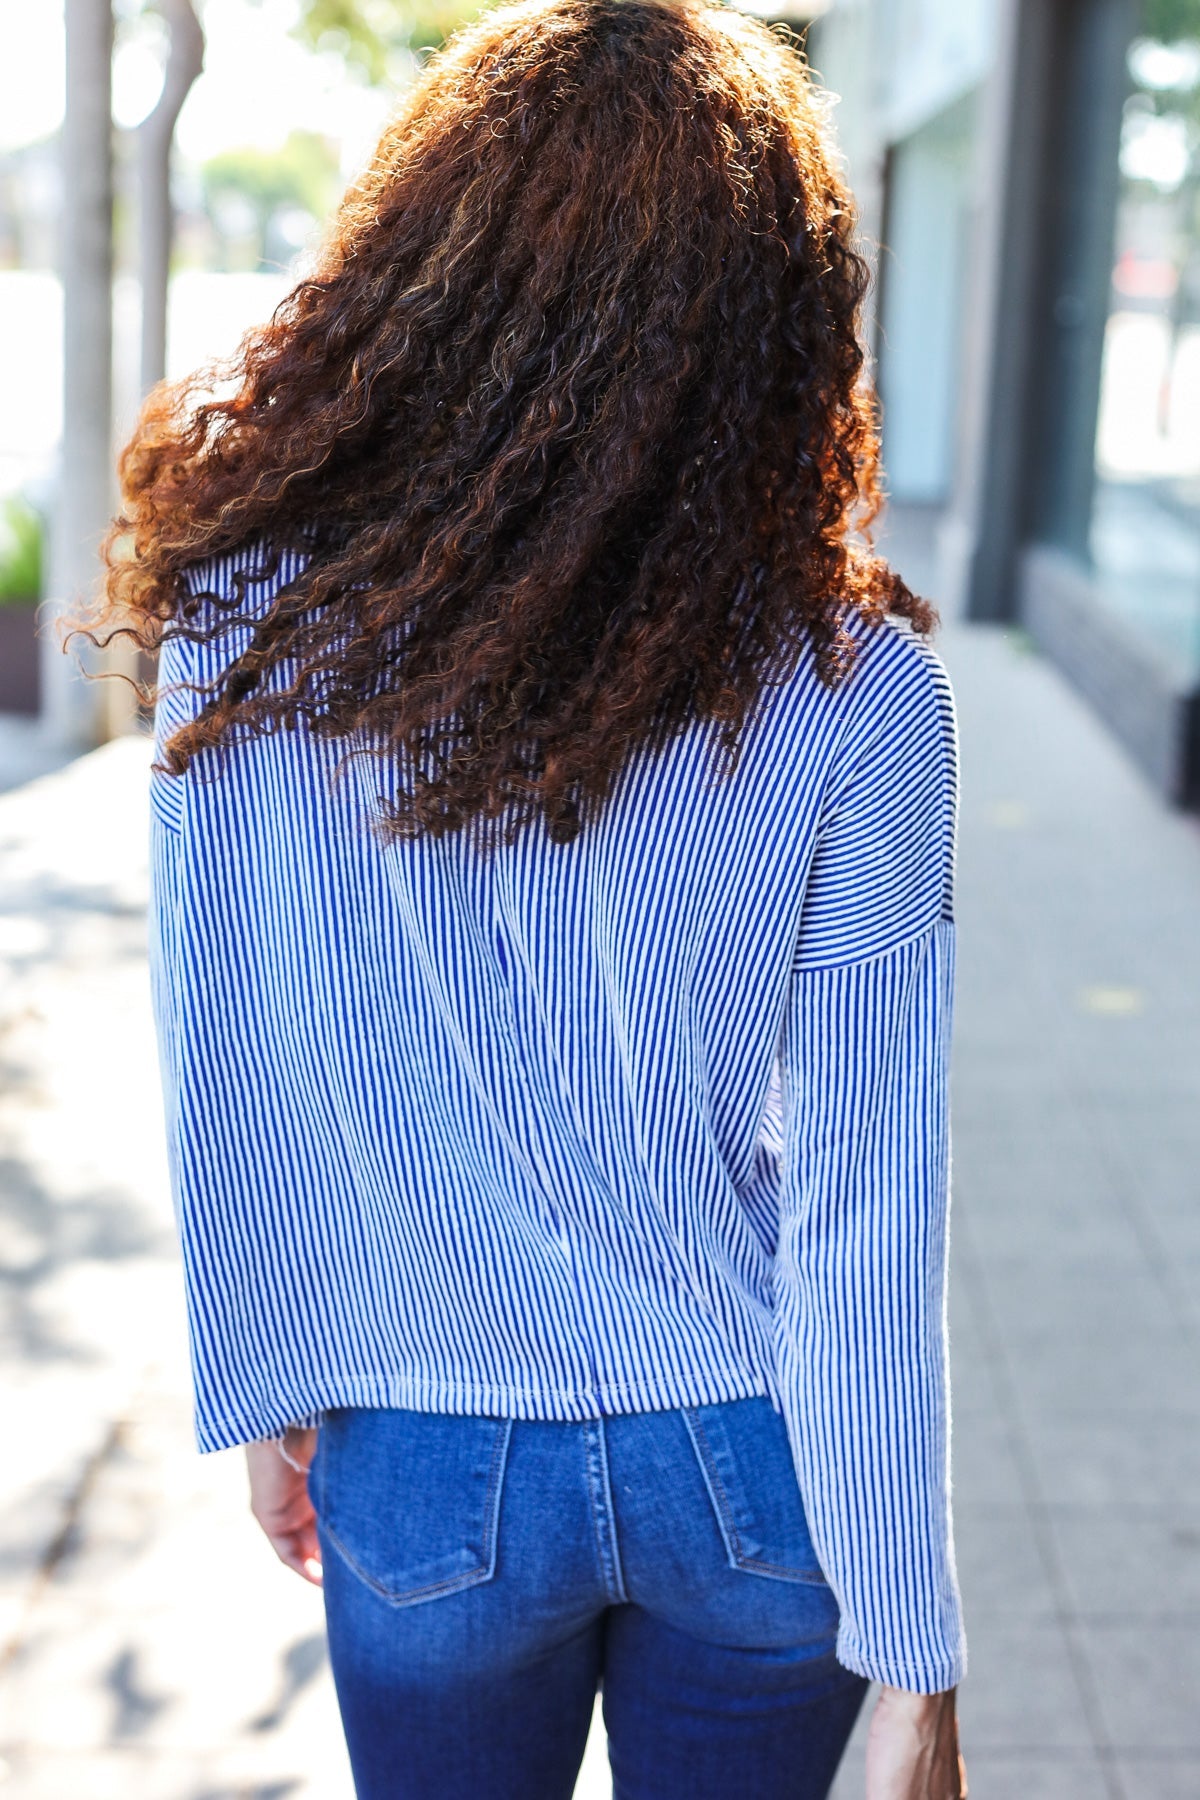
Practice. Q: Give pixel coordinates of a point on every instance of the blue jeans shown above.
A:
(483, 1576)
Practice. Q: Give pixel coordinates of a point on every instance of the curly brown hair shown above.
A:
(569, 416)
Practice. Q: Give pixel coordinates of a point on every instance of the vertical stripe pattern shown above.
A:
(658, 1118)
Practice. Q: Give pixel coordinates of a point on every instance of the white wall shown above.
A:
(922, 299)
(900, 63)
(934, 51)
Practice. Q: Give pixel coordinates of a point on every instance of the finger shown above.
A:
(301, 1553)
(309, 1548)
(285, 1514)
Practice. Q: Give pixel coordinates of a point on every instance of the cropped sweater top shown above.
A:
(655, 1118)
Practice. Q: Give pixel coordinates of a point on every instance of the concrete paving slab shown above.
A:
(26, 752)
(1081, 1777)
(170, 1641)
(1147, 1684)
(1048, 1775)
(974, 1386)
(985, 1466)
(1159, 1777)
(851, 1776)
(1001, 1566)
(1022, 1692)
(1161, 1158)
(1125, 1563)
(1013, 1222)
(1039, 1302)
(1139, 1459)
(1090, 1373)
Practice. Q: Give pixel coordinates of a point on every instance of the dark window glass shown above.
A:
(1145, 530)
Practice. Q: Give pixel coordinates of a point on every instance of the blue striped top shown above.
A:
(655, 1118)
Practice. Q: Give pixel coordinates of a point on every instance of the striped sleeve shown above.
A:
(180, 690)
(861, 1263)
(171, 710)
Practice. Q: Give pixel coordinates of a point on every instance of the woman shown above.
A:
(554, 822)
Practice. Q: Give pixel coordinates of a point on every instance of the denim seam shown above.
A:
(409, 1596)
(725, 1519)
(452, 1583)
(491, 1503)
(604, 1524)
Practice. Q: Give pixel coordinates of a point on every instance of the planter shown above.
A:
(20, 655)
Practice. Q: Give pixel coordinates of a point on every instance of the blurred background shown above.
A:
(1028, 175)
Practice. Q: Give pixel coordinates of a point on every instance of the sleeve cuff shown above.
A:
(934, 1677)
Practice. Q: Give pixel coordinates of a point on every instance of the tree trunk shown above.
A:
(73, 708)
(185, 60)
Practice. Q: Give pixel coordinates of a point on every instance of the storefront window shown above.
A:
(1145, 533)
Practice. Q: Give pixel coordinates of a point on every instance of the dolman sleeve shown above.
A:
(177, 988)
(173, 707)
(861, 1263)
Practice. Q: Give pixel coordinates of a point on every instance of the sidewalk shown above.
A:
(24, 752)
(156, 1652)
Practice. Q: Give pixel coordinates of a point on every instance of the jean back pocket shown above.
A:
(411, 1500)
(745, 1457)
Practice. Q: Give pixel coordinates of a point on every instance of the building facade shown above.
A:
(1029, 172)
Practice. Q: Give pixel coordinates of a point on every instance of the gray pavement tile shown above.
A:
(1184, 1264)
(972, 1367)
(973, 1391)
(1147, 1684)
(1015, 1221)
(1020, 1692)
(1007, 1777)
(1013, 1161)
(1160, 1778)
(1071, 1287)
(1129, 1563)
(1058, 1377)
(1125, 1085)
(972, 1376)
(1124, 1021)
(1168, 1185)
(1007, 1090)
(1176, 1225)
(850, 1781)
(1105, 1256)
(194, 1664)
(202, 1773)
(1010, 1163)
(26, 753)
(999, 1772)
(1000, 1566)
(984, 1468)
(1157, 1145)
(1035, 1301)
(962, 1312)
(1147, 1458)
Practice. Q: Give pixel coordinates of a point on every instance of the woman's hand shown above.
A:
(279, 1500)
(912, 1748)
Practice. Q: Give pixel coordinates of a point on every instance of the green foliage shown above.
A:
(431, 22)
(1170, 21)
(370, 33)
(21, 537)
(302, 174)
